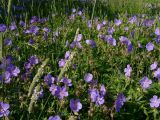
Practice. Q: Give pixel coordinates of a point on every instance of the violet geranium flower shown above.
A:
(75, 105)
(155, 102)
(4, 109)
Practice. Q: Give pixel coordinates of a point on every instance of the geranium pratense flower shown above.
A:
(88, 77)
(62, 63)
(119, 102)
(75, 105)
(102, 90)
(157, 31)
(33, 60)
(117, 22)
(4, 109)
(158, 39)
(53, 89)
(111, 30)
(13, 26)
(67, 55)
(132, 19)
(61, 92)
(128, 71)
(124, 40)
(66, 81)
(91, 42)
(155, 102)
(145, 82)
(157, 73)
(93, 94)
(8, 42)
(54, 117)
(14, 71)
(154, 66)
(3, 27)
(150, 46)
(49, 79)
(96, 96)
(79, 37)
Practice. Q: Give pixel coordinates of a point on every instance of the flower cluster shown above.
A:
(10, 70)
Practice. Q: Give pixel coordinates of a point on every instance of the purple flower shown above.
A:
(119, 102)
(126, 28)
(67, 54)
(66, 81)
(148, 23)
(4, 109)
(155, 102)
(27, 65)
(75, 105)
(79, 37)
(125, 40)
(3, 27)
(45, 29)
(14, 71)
(62, 63)
(21, 23)
(157, 31)
(99, 100)
(31, 41)
(150, 46)
(53, 89)
(8, 42)
(91, 42)
(102, 90)
(97, 97)
(54, 117)
(128, 71)
(157, 73)
(76, 43)
(153, 66)
(112, 41)
(158, 39)
(33, 60)
(61, 92)
(117, 22)
(79, 13)
(104, 23)
(111, 30)
(7, 77)
(99, 26)
(34, 19)
(130, 48)
(93, 94)
(132, 19)
(49, 79)
(13, 26)
(34, 30)
(145, 82)
(88, 77)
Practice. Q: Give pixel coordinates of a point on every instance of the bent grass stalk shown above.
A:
(36, 79)
(34, 98)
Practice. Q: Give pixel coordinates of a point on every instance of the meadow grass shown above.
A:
(105, 62)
